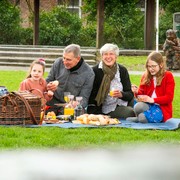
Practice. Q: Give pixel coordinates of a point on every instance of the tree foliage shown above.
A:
(123, 22)
(166, 18)
(10, 29)
(58, 27)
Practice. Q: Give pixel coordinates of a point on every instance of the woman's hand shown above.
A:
(134, 88)
(145, 98)
(117, 93)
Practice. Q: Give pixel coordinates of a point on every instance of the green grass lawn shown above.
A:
(52, 137)
(133, 63)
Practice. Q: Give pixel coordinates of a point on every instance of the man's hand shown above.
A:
(52, 85)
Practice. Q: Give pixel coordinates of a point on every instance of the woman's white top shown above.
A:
(110, 102)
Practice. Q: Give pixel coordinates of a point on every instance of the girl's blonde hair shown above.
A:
(40, 61)
(158, 58)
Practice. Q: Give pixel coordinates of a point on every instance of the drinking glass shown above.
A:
(69, 109)
(111, 92)
(66, 96)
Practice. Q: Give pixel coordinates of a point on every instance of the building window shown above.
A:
(74, 6)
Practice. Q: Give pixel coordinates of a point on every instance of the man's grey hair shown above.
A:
(109, 47)
(74, 48)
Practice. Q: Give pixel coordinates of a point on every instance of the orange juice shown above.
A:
(66, 98)
(111, 93)
(68, 111)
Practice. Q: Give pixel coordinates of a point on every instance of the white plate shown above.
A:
(64, 117)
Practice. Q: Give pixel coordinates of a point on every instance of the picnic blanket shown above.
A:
(171, 124)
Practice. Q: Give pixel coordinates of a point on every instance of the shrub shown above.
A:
(123, 22)
(87, 35)
(59, 27)
(9, 23)
(26, 36)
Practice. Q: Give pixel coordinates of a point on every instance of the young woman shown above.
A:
(35, 81)
(155, 93)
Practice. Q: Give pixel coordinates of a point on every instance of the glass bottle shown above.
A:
(79, 109)
(69, 109)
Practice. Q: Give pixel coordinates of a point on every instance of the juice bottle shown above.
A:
(69, 109)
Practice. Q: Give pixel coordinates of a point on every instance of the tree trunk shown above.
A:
(100, 23)
(36, 23)
(149, 24)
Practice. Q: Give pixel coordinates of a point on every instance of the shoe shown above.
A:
(132, 119)
(142, 118)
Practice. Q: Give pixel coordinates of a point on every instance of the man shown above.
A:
(74, 76)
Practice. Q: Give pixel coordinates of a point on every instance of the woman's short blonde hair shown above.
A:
(109, 47)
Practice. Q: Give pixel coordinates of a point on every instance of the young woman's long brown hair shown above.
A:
(158, 58)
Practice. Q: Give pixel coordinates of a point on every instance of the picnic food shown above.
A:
(95, 119)
(51, 115)
(50, 118)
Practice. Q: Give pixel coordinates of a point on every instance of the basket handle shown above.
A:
(11, 100)
(40, 95)
(43, 100)
(28, 107)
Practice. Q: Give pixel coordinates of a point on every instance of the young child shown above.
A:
(35, 81)
(155, 93)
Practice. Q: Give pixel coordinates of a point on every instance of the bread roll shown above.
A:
(76, 122)
(85, 120)
(97, 123)
(93, 117)
(102, 120)
(113, 121)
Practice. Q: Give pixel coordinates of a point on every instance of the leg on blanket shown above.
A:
(122, 112)
(142, 118)
(139, 108)
(132, 119)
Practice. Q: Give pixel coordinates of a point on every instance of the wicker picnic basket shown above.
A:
(20, 108)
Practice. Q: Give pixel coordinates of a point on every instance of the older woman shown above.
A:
(111, 93)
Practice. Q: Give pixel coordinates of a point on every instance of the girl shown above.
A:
(156, 92)
(35, 81)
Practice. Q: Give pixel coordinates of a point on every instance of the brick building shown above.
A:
(26, 7)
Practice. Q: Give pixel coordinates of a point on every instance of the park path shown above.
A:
(13, 68)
